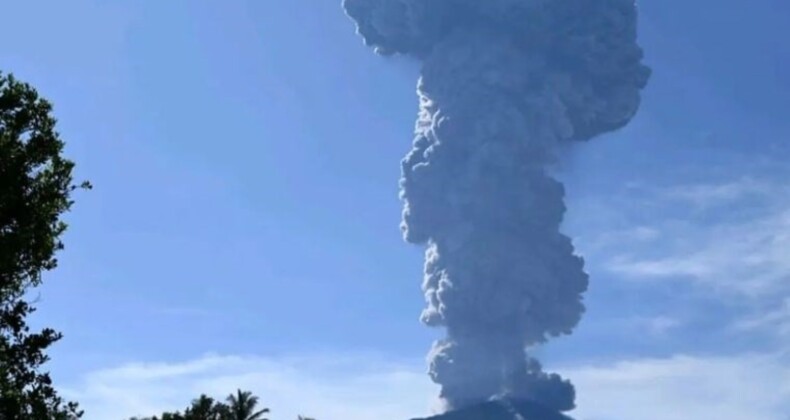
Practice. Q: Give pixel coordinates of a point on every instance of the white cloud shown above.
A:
(746, 387)
(731, 241)
(637, 234)
(657, 326)
(745, 256)
(661, 324)
(776, 321)
(359, 387)
(705, 196)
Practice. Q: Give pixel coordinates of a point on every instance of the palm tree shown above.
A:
(242, 406)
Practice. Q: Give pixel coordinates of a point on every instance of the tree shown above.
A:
(239, 406)
(205, 408)
(35, 190)
(242, 406)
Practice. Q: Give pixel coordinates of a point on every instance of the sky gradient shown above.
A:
(243, 229)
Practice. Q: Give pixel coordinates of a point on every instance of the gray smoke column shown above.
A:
(503, 84)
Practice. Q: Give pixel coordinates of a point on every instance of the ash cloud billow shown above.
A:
(504, 83)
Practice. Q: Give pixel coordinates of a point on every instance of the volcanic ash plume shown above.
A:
(503, 84)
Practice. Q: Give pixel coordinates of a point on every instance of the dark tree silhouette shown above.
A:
(206, 408)
(35, 191)
(239, 406)
(242, 406)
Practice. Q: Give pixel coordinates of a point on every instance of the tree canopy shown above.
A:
(35, 191)
(242, 405)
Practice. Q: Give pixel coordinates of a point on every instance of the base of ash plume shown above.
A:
(502, 410)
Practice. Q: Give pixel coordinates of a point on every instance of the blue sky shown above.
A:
(243, 229)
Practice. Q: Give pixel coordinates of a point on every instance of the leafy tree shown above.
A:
(165, 416)
(35, 190)
(202, 407)
(239, 406)
(205, 408)
(242, 406)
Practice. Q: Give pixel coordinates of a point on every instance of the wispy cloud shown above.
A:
(661, 324)
(775, 321)
(723, 243)
(685, 387)
(637, 234)
(746, 256)
(354, 387)
(348, 387)
(656, 326)
(706, 196)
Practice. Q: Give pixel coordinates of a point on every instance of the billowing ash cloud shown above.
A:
(503, 83)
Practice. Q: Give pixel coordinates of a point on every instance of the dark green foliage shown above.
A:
(239, 406)
(205, 408)
(35, 190)
(242, 407)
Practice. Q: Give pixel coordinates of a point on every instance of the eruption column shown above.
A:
(503, 84)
